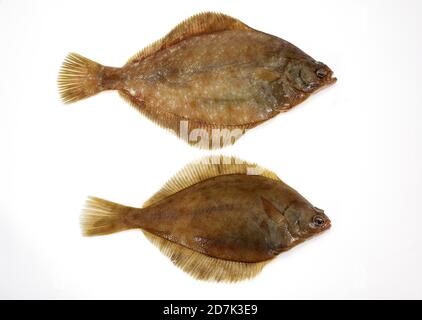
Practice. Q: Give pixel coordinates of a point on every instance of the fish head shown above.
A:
(306, 220)
(308, 76)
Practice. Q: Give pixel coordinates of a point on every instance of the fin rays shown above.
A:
(206, 168)
(78, 78)
(204, 267)
(206, 22)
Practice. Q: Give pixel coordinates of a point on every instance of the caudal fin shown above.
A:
(101, 217)
(79, 78)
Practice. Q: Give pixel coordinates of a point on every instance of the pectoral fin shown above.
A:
(275, 214)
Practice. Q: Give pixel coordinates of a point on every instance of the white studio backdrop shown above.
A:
(353, 149)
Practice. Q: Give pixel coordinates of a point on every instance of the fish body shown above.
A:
(215, 220)
(224, 217)
(212, 71)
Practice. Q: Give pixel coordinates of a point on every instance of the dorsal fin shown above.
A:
(206, 168)
(206, 22)
(202, 23)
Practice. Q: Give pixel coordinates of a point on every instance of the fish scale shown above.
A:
(216, 220)
(212, 72)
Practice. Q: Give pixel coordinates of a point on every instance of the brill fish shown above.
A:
(218, 219)
(209, 80)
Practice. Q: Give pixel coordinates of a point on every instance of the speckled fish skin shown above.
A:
(212, 71)
(230, 217)
(234, 77)
(219, 219)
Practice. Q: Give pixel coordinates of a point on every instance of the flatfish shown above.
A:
(219, 219)
(209, 80)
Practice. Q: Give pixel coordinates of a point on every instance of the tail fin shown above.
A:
(79, 78)
(101, 217)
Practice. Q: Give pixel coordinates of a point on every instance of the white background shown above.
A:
(353, 149)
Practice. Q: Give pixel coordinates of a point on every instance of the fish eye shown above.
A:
(318, 221)
(321, 73)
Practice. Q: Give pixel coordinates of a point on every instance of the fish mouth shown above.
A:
(320, 230)
(327, 224)
(314, 87)
(317, 230)
(330, 79)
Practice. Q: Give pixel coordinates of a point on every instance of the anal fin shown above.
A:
(204, 267)
(226, 134)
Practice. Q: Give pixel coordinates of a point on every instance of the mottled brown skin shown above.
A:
(208, 80)
(235, 217)
(232, 77)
